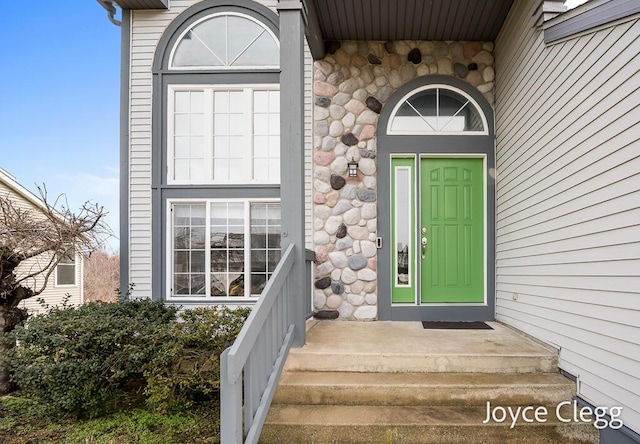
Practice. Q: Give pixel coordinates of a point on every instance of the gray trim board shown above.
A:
(125, 53)
(454, 144)
(312, 31)
(623, 435)
(292, 157)
(600, 15)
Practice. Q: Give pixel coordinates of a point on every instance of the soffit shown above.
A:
(143, 4)
(476, 20)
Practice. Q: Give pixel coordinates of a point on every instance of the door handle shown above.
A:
(424, 247)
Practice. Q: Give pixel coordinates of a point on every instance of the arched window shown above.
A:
(437, 109)
(226, 40)
(217, 148)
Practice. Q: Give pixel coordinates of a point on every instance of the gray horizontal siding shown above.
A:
(594, 17)
(568, 200)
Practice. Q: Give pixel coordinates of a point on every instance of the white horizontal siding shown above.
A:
(146, 30)
(568, 200)
(53, 295)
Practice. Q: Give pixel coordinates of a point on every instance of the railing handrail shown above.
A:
(241, 348)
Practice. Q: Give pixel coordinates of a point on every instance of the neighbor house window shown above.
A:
(66, 271)
(224, 134)
(222, 248)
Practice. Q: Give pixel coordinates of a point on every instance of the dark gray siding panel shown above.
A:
(600, 15)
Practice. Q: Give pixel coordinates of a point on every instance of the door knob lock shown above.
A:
(424, 247)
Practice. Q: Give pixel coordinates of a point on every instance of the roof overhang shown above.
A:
(143, 4)
(383, 20)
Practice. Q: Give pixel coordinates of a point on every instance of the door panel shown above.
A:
(452, 214)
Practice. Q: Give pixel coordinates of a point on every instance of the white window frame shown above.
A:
(247, 249)
(208, 90)
(222, 67)
(412, 93)
(67, 264)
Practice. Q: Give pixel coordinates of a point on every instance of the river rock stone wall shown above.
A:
(351, 85)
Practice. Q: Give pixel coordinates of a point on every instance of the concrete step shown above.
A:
(406, 347)
(316, 424)
(305, 360)
(415, 389)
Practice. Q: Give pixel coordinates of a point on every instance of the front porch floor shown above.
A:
(390, 346)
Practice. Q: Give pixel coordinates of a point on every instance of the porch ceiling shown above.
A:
(478, 20)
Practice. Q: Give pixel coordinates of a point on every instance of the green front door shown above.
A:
(438, 224)
(451, 230)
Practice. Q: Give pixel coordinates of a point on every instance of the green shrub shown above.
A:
(81, 360)
(188, 370)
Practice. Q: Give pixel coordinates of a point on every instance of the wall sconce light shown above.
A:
(353, 168)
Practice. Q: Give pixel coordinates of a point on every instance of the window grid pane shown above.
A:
(265, 243)
(189, 250)
(227, 141)
(227, 248)
(188, 137)
(266, 136)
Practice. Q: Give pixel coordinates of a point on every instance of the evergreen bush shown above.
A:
(82, 360)
(187, 370)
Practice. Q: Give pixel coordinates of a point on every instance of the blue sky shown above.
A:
(59, 105)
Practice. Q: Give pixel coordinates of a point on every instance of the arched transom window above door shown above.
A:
(226, 40)
(439, 110)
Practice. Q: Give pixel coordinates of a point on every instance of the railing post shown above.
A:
(231, 399)
(292, 155)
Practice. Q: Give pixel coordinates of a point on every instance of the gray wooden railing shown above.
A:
(250, 369)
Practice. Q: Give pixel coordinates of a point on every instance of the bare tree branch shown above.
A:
(48, 235)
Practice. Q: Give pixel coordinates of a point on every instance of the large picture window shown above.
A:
(223, 248)
(224, 134)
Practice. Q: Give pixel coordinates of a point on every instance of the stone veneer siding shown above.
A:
(351, 85)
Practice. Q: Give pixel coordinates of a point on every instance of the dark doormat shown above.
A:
(450, 325)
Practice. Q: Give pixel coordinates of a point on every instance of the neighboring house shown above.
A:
(498, 152)
(65, 283)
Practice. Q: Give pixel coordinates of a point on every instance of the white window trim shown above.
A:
(409, 224)
(75, 274)
(410, 94)
(247, 250)
(208, 138)
(223, 68)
